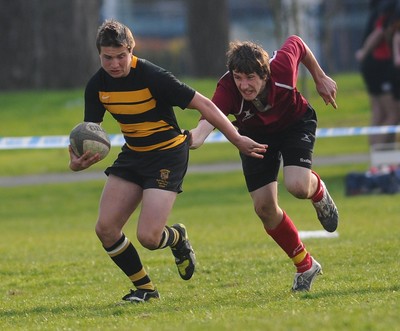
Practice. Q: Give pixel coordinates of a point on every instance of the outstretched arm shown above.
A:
(326, 86)
(217, 119)
(200, 133)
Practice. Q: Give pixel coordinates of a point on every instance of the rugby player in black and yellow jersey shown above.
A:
(150, 168)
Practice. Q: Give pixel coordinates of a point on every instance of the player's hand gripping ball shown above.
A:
(88, 136)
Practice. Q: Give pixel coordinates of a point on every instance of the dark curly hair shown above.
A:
(248, 57)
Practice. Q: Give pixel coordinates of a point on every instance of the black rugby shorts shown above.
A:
(163, 170)
(294, 146)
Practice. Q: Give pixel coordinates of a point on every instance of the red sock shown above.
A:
(319, 193)
(305, 264)
(287, 237)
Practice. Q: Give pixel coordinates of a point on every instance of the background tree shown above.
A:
(208, 34)
(47, 43)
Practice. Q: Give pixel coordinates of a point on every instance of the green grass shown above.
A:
(55, 275)
(36, 113)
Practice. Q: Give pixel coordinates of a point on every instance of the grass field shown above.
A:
(54, 274)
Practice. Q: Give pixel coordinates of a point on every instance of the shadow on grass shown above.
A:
(352, 291)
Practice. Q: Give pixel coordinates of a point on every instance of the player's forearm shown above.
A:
(200, 133)
(325, 86)
(312, 65)
(215, 118)
(373, 40)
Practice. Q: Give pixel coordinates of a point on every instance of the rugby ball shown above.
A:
(88, 136)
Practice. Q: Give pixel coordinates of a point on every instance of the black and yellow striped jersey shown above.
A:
(142, 103)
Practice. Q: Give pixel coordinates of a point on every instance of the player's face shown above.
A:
(249, 85)
(116, 61)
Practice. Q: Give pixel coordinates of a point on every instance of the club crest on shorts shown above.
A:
(164, 176)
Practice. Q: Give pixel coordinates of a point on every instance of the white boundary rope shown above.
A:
(42, 142)
(317, 234)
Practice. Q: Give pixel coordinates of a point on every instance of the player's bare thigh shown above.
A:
(119, 200)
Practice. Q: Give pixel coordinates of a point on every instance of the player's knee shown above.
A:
(100, 230)
(107, 235)
(270, 215)
(298, 190)
(149, 241)
(264, 211)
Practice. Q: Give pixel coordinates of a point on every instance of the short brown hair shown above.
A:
(248, 57)
(114, 34)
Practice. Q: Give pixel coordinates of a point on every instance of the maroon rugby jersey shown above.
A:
(285, 104)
